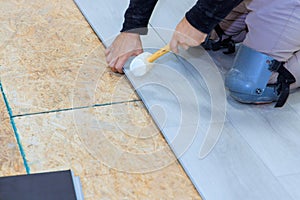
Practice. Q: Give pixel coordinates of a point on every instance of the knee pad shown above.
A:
(248, 79)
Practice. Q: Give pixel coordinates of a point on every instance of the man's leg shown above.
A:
(274, 28)
(234, 25)
(293, 65)
(274, 33)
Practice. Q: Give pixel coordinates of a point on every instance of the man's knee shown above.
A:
(247, 80)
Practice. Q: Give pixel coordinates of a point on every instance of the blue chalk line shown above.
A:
(12, 122)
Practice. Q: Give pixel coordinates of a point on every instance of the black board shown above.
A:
(42, 186)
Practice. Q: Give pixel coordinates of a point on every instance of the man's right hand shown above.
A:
(124, 46)
(186, 36)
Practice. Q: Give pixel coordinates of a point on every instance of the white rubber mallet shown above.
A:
(141, 64)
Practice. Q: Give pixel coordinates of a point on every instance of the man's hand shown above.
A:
(186, 36)
(124, 46)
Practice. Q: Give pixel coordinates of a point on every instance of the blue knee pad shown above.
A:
(248, 80)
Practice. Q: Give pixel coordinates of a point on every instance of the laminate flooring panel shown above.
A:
(291, 183)
(168, 13)
(185, 93)
(271, 133)
(108, 26)
(294, 100)
(225, 172)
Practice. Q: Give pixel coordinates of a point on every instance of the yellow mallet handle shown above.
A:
(159, 53)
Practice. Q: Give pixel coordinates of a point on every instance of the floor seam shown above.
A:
(76, 108)
(17, 136)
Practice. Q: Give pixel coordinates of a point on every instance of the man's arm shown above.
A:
(137, 16)
(191, 31)
(128, 42)
(199, 21)
(206, 14)
(203, 16)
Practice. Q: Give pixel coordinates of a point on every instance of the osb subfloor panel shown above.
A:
(51, 59)
(51, 62)
(116, 150)
(11, 162)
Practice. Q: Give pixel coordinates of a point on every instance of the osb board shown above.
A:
(117, 152)
(11, 162)
(51, 59)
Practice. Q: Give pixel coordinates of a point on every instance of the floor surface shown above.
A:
(256, 155)
(66, 110)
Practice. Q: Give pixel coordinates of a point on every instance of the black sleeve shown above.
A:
(137, 16)
(206, 14)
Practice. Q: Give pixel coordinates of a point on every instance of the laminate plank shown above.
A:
(272, 133)
(171, 12)
(231, 171)
(187, 96)
(106, 19)
(294, 101)
(291, 184)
